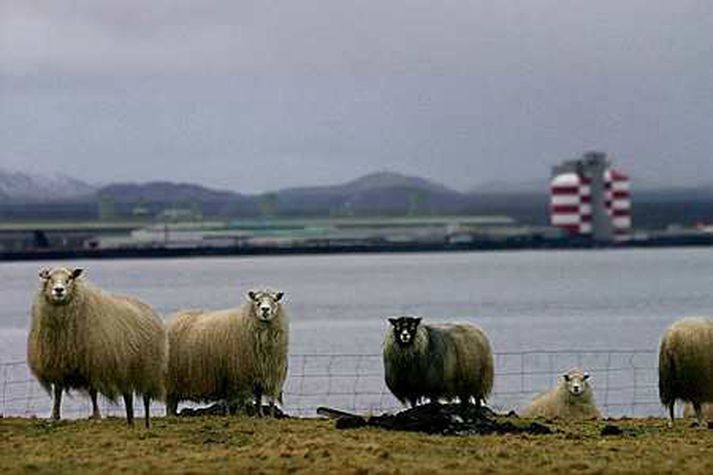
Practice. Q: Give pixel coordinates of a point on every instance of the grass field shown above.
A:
(249, 445)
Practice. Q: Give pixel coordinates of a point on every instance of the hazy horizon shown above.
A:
(530, 186)
(259, 96)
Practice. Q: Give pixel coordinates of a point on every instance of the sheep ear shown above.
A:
(585, 376)
(252, 296)
(278, 296)
(77, 272)
(393, 320)
(44, 273)
(417, 320)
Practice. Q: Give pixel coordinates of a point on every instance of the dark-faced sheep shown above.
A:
(571, 399)
(226, 354)
(686, 365)
(436, 362)
(83, 338)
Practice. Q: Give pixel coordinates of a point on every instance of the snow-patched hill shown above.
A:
(26, 187)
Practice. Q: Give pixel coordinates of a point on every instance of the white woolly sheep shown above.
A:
(83, 338)
(571, 399)
(686, 365)
(225, 354)
(437, 361)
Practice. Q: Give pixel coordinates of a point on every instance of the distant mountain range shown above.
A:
(382, 193)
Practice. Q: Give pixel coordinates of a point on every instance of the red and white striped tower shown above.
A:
(570, 203)
(618, 202)
(590, 198)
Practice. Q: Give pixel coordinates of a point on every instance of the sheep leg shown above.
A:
(272, 407)
(96, 414)
(57, 401)
(129, 404)
(699, 413)
(147, 415)
(257, 393)
(171, 406)
(671, 413)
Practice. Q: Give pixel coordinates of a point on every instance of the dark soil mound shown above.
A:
(435, 418)
(611, 429)
(224, 409)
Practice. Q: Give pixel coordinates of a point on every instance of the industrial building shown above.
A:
(589, 198)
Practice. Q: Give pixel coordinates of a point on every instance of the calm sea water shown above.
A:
(540, 300)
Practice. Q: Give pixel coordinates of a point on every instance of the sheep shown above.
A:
(686, 365)
(437, 361)
(571, 399)
(83, 338)
(226, 354)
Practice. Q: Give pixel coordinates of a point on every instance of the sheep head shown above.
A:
(576, 382)
(58, 284)
(265, 304)
(405, 329)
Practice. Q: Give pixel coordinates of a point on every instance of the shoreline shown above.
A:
(519, 244)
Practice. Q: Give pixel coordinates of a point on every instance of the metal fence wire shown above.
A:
(624, 383)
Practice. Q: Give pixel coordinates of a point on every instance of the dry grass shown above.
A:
(247, 445)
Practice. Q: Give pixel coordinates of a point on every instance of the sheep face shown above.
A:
(576, 382)
(58, 284)
(405, 329)
(265, 304)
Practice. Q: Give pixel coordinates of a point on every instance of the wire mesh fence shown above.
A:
(624, 383)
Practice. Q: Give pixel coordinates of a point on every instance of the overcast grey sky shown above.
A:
(257, 95)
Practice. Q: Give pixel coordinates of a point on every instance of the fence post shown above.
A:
(4, 388)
